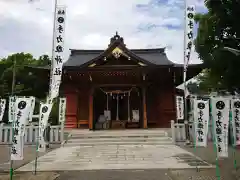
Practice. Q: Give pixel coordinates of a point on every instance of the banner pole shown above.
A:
(184, 77)
(195, 139)
(36, 155)
(234, 154)
(52, 60)
(215, 144)
(234, 142)
(12, 93)
(37, 143)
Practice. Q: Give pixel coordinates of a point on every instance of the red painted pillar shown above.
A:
(91, 109)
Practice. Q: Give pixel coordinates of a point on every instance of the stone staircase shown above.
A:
(118, 137)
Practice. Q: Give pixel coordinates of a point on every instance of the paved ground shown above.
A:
(179, 157)
(158, 174)
(30, 176)
(29, 155)
(149, 174)
(116, 157)
(226, 166)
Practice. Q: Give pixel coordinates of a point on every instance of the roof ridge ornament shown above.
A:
(117, 52)
(115, 38)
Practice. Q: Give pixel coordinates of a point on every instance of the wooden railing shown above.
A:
(31, 134)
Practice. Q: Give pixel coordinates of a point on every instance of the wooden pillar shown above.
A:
(144, 108)
(90, 120)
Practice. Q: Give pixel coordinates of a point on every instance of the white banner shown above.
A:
(58, 53)
(32, 109)
(22, 107)
(2, 108)
(201, 119)
(135, 115)
(62, 110)
(45, 110)
(220, 114)
(11, 108)
(236, 120)
(180, 107)
(190, 13)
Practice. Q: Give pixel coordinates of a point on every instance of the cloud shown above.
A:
(90, 24)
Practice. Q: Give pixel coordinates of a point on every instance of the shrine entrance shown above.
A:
(117, 108)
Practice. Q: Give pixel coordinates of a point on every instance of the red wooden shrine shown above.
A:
(94, 79)
(124, 82)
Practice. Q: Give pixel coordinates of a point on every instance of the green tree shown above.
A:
(29, 81)
(219, 28)
(26, 78)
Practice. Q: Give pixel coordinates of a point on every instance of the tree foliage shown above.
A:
(25, 78)
(28, 82)
(205, 84)
(217, 29)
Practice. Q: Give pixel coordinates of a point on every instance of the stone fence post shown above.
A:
(173, 131)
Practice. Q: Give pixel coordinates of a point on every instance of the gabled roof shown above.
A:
(155, 56)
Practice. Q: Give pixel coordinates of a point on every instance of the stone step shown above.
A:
(119, 132)
(100, 136)
(96, 143)
(119, 139)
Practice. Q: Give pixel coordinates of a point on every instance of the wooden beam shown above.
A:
(91, 109)
(116, 85)
(144, 108)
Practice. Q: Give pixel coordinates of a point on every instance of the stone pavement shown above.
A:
(29, 155)
(157, 174)
(146, 174)
(116, 157)
(31, 176)
(226, 165)
(129, 162)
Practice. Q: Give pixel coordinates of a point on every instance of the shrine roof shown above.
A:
(155, 56)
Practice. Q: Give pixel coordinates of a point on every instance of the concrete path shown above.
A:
(117, 157)
(115, 175)
(29, 155)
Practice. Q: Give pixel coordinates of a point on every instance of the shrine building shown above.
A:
(119, 88)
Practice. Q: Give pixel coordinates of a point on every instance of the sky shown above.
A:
(28, 27)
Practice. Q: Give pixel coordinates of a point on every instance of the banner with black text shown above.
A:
(32, 109)
(11, 108)
(22, 108)
(236, 120)
(62, 110)
(188, 36)
(58, 51)
(45, 110)
(2, 108)
(180, 107)
(220, 115)
(201, 120)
